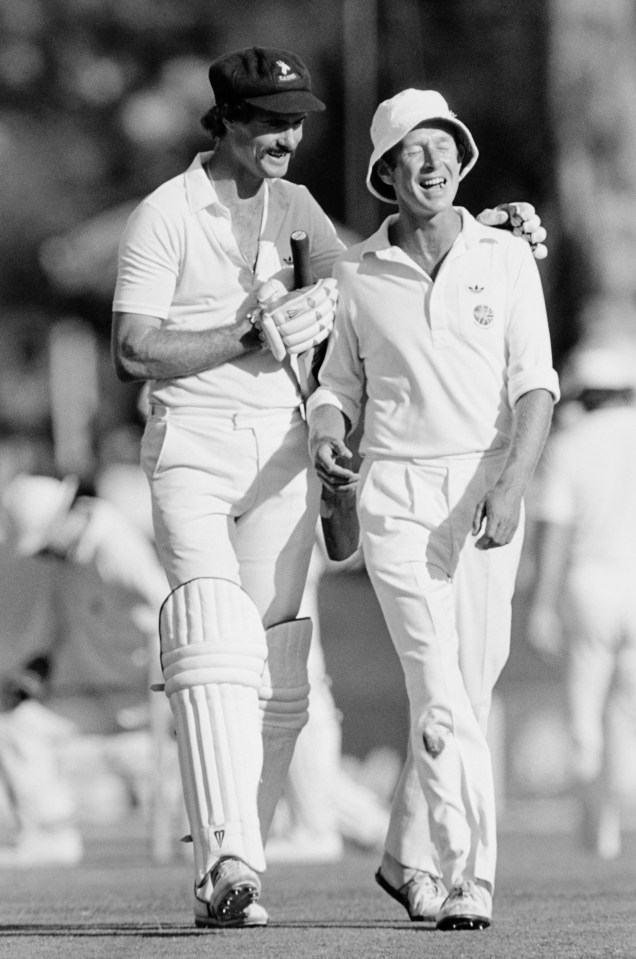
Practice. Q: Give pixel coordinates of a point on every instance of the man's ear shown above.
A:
(385, 172)
(226, 117)
(461, 153)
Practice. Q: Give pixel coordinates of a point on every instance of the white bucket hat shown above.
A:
(394, 118)
(33, 507)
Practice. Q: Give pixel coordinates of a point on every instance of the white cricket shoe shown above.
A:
(422, 895)
(467, 906)
(227, 896)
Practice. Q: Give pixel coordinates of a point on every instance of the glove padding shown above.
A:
(297, 322)
(523, 220)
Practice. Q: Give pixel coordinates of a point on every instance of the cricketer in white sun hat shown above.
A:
(396, 117)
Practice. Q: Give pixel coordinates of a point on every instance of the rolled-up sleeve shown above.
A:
(528, 335)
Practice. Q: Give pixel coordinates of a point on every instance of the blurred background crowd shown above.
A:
(100, 102)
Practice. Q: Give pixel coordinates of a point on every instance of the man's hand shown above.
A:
(325, 451)
(292, 323)
(500, 509)
(523, 220)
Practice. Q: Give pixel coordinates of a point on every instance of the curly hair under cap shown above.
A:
(213, 121)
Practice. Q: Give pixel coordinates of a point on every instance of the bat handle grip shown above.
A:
(299, 242)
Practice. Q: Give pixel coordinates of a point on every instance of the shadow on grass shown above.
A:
(161, 930)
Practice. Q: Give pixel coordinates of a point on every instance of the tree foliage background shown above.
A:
(100, 101)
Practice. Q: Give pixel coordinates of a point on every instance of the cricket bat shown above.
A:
(338, 516)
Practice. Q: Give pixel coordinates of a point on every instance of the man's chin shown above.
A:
(274, 167)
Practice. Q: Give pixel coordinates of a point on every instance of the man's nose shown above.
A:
(430, 157)
(287, 138)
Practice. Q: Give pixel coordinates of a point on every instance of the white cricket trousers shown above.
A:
(233, 496)
(447, 607)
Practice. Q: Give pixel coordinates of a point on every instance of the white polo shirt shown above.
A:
(442, 363)
(179, 261)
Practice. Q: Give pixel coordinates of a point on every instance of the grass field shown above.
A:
(552, 901)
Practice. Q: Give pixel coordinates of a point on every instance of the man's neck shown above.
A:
(426, 241)
(232, 184)
(244, 196)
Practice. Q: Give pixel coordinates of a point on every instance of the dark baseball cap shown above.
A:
(274, 80)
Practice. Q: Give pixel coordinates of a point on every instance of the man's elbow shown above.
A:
(128, 348)
(126, 369)
(124, 376)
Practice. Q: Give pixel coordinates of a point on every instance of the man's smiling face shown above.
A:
(265, 143)
(424, 169)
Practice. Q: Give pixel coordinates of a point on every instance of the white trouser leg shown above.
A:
(213, 651)
(284, 698)
(419, 581)
(409, 837)
(450, 751)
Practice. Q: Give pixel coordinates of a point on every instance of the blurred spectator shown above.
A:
(97, 663)
(584, 602)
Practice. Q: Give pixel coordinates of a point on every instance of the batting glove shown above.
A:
(297, 322)
(523, 220)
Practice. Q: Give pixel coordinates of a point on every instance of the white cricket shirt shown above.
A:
(179, 261)
(442, 363)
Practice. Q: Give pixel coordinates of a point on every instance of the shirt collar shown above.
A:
(472, 232)
(199, 188)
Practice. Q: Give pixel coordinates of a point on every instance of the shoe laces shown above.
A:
(465, 890)
(424, 886)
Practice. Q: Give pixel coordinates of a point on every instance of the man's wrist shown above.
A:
(251, 332)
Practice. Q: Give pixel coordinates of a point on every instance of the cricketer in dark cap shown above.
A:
(235, 502)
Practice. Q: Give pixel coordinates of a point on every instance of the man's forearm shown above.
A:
(533, 417)
(143, 351)
(327, 420)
